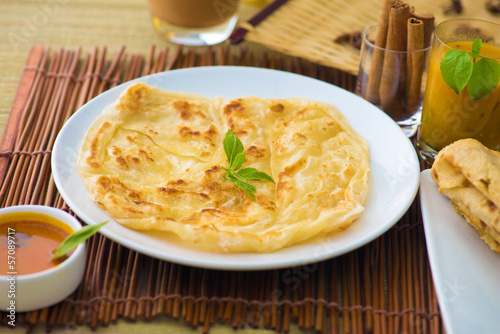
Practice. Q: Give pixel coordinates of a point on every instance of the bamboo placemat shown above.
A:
(308, 28)
(383, 287)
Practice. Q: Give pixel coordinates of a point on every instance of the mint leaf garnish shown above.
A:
(461, 68)
(236, 157)
(76, 238)
(238, 161)
(250, 173)
(476, 47)
(456, 69)
(232, 146)
(247, 187)
(484, 78)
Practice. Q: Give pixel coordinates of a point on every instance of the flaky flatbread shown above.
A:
(468, 173)
(153, 161)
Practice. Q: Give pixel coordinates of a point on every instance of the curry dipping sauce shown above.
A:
(36, 237)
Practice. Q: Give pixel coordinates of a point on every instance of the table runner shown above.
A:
(383, 287)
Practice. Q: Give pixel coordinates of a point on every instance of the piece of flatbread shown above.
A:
(468, 173)
(153, 161)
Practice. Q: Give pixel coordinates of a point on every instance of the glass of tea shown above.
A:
(194, 22)
(451, 114)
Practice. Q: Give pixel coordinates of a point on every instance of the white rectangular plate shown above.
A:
(465, 270)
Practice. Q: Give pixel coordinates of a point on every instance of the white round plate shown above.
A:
(393, 180)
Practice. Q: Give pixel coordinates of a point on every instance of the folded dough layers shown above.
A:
(153, 161)
(468, 173)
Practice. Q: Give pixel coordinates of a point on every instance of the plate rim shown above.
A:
(217, 265)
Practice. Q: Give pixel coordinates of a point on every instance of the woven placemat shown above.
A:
(308, 28)
(383, 287)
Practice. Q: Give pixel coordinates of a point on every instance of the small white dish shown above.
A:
(21, 293)
(464, 268)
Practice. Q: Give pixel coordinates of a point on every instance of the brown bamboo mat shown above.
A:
(383, 287)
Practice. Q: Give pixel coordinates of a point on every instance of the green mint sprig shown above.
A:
(461, 68)
(76, 238)
(236, 157)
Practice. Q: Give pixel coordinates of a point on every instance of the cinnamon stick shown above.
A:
(372, 89)
(428, 22)
(415, 64)
(393, 81)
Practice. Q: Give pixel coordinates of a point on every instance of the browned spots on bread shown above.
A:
(133, 159)
(160, 218)
(148, 207)
(132, 139)
(212, 211)
(254, 151)
(116, 150)
(168, 191)
(281, 187)
(207, 135)
(491, 206)
(240, 132)
(176, 192)
(154, 132)
(121, 161)
(94, 146)
(302, 112)
(281, 144)
(185, 131)
(186, 109)
(293, 168)
(92, 163)
(235, 107)
(134, 194)
(103, 128)
(213, 170)
(135, 98)
(145, 155)
(176, 182)
(104, 181)
(132, 210)
(183, 108)
(277, 108)
(483, 224)
(210, 133)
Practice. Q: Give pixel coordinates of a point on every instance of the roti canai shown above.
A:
(153, 160)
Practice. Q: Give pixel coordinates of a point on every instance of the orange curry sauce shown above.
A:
(34, 243)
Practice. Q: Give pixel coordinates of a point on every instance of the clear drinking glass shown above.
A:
(394, 81)
(447, 116)
(194, 22)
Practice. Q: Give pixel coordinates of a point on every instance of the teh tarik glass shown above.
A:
(194, 22)
(447, 116)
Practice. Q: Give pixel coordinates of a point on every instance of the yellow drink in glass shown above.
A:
(447, 116)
